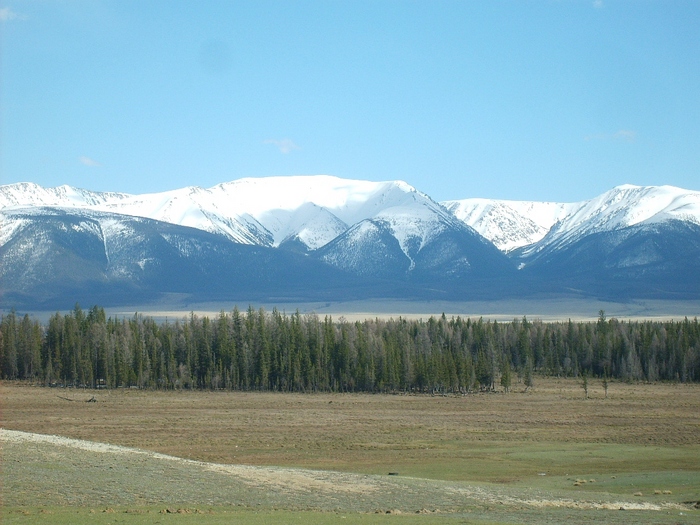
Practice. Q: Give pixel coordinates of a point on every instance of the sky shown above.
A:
(548, 100)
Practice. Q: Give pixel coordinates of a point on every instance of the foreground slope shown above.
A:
(470, 457)
(126, 476)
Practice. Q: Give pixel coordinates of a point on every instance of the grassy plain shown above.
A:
(547, 455)
(547, 309)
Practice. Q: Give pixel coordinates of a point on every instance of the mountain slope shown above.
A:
(530, 227)
(53, 257)
(301, 213)
(25, 194)
(432, 248)
(311, 210)
(321, 237)
(628, 242)
(619, 208)
(653, 260)
(510, 224)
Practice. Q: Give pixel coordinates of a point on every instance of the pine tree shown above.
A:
(8, 366)
(605, 382)
(506, 377)
(528, 380)
(484, 371)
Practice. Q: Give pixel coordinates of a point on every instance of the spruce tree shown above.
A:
(506, 377)
(529, 383)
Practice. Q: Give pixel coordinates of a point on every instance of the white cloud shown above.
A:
(625, 135)
(284, 145)
(7, 13)
(598, 4)
(87, 161)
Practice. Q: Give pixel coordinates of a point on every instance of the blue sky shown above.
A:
(533, 100)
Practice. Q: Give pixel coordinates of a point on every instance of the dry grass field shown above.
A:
(644, 438)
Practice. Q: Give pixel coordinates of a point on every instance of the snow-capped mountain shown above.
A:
(617, 209)
(532, 226)
(356, 238)
(304, 212)
(52, 257)
(28, 194)
(439, 249)
(317, 215)
(312, 210)
(510, 224)
(629, 241)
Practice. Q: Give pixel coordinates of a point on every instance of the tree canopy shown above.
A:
(259, 350)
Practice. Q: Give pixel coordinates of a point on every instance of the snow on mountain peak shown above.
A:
(315, 209)
(629, 205)
(509, 224)
(345, 198)
(265, 211)
(517, 224)
(621, 207)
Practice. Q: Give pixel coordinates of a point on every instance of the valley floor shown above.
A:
(549, 309)
(543, 456)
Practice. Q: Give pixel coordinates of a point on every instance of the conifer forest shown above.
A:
(275, 351)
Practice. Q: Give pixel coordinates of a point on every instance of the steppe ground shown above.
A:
(543, 456)
(548, 309)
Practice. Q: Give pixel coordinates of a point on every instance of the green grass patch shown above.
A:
(512, 462)
(674, 486)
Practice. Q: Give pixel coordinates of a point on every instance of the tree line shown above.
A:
(259, 350)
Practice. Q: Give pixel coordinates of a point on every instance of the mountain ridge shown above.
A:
(395, 239)
(531, 221)
(260, 211)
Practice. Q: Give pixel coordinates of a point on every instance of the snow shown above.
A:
(409, 223)
(630, 205)
(621, 207)
(265, 211)
(510, 224)
(316, 209)
(8, 227)
(516, 224)
(25, 194)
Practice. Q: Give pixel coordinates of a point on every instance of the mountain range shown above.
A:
(320, 237)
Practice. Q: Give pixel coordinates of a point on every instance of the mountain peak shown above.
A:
(377, 230)
(314, 209)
